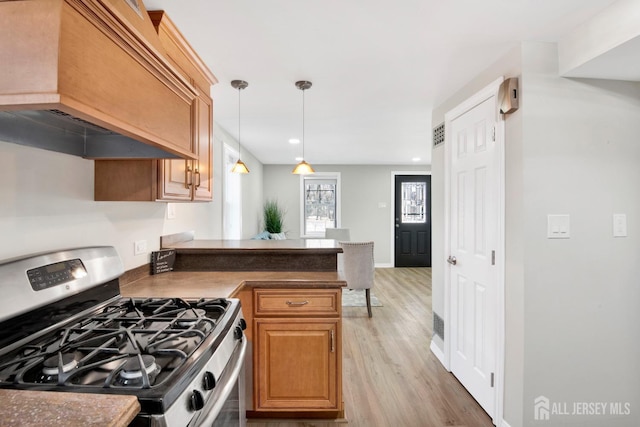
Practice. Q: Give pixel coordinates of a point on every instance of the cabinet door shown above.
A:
(174, 176)
(296, 364)
(203, 169)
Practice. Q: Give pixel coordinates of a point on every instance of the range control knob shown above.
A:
(196, 401)
(209, 381)
(237, 333)
(243, 324)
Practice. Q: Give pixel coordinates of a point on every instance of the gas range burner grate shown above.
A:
(130, 343)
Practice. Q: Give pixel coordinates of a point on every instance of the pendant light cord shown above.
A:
(303, 124)
(239, 146)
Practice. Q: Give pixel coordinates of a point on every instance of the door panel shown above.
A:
(204, 178)
(173, 179)
(413, 221)
(473, 237)
(297, 364)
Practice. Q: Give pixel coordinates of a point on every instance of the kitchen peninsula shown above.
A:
(251, 255)
(292, 306)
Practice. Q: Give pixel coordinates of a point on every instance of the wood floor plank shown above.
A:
(390, 377)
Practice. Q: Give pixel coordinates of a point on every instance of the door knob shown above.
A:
(452, 260)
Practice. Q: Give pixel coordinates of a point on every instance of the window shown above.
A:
(320, 203)
(232, 191)
(414, 195)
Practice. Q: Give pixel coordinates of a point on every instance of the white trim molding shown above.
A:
(486, 93)
(502, 423)
(437, 352)
(319, 176)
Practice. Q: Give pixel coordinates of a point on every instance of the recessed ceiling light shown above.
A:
(294, 141)
(416, 159)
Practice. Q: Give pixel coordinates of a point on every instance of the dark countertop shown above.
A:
(306, 245)
(252, 255)
(223, 284)
(51, 408)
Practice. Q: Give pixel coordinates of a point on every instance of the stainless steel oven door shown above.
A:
(226, 405)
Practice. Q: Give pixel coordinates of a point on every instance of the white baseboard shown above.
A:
(437, 352)
(504, 424)
(383, 265)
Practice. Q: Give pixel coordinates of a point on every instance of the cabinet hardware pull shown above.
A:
(297, 302)
(197, 174)
(333, 347)
(187, 177)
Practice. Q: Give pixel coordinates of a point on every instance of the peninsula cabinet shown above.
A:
(297, 352)
(168, 179)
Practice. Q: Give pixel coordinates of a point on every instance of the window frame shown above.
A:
(338, 207)
(231, 195)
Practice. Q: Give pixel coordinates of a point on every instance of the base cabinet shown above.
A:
(297, 363)
(297, 354)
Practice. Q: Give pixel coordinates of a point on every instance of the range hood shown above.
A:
(55, 130)
(90, 78)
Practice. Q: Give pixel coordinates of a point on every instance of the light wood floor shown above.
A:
(390, 377)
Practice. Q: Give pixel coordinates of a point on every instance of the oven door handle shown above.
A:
(208, 414)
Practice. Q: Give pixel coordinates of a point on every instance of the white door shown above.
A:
(473, 222)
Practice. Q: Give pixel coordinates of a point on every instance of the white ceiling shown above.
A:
(378, 68)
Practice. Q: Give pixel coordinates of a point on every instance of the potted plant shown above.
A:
(273, 219)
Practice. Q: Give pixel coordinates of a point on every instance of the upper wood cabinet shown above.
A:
(191, 179)
(169, 179)
(100, 62)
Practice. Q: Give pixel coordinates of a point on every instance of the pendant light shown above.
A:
(239, 167)
(303, 168)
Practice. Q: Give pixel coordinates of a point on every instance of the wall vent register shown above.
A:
(438, 135)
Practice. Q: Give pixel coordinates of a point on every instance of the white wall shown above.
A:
(363, 188)
(46, 203)
(251, 184)
(571, 305)
(580, 157)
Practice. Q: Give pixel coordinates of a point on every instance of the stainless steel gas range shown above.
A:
(65, 327)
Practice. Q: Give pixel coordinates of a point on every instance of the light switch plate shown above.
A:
(558, 227)
(619, 225)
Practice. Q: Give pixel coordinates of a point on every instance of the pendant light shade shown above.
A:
(303, 168)
(239, 167)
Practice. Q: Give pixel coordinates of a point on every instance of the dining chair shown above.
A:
(339, 235)
(359, 267)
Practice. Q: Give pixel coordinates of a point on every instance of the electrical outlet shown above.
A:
(171, 211)
(140, 247)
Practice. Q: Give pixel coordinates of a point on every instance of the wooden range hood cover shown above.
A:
(89, 78)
